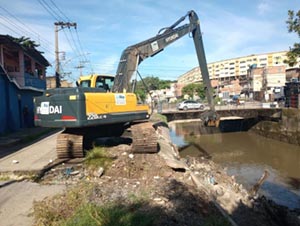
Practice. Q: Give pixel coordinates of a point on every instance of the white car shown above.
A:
(190, 104)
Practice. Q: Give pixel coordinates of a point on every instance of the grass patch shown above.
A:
(75, 208)
(4, 178)
(158, 117)
(55, 210)
(110, 215)
(98, 157)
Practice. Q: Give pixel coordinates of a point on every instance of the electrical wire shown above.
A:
(59, 15)
(9, 28)
(19, 28)
(52, 12)
(25, 27)
(61, 12)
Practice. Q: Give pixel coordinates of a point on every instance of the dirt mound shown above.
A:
(190, 191)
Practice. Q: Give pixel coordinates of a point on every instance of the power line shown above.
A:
(23, 28)
(80, 45)
(61, 12)
(29, 30)
(9, 28)
(59, 15)
(48, 8)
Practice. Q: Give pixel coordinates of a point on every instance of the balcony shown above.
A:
(34, 82)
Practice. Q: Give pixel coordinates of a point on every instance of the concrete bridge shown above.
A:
(244, 113)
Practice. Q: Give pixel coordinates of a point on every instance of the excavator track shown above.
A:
(69, 146)
(144, 138)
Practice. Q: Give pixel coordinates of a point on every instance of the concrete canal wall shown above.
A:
(287, 129)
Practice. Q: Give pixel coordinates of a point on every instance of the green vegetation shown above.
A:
(4, 178)
(158, 118)
(194, 89)
(293, 23)
(74, 208)
(98, 158)
(110, 215)
(152, 83)
(56, 210)
(26, 42)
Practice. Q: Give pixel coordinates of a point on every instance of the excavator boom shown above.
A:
(133, 55)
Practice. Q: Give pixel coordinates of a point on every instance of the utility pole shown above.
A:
(81, 65)
(60, 25)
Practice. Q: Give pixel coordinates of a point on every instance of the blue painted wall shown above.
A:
(3, 104)
(16, 105)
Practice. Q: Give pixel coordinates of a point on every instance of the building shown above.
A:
(226, 71)
(293, 74)
(51, 82)
(22, 77)
(264, 81)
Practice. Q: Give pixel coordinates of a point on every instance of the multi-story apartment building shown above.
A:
(225, 74)
(236, 68)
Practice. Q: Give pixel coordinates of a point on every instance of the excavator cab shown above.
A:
(96, 81)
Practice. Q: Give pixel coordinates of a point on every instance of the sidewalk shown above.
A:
(12, 142)
(28, 150)
(25, 135)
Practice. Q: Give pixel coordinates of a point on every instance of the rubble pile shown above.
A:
(184, 191)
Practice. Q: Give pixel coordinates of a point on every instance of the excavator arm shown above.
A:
(133, 55)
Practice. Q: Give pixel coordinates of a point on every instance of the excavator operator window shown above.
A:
(86, 83)
(105, 83)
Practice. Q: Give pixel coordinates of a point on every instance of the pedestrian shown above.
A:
(26, 116)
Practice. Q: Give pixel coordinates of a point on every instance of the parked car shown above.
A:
(235, 100)
(190, 104)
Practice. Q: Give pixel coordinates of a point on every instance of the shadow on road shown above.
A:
(14, 142)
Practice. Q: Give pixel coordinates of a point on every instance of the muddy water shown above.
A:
(246, 156)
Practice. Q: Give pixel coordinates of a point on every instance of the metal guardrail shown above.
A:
(244, 105)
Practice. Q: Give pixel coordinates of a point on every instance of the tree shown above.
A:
(152, 83)
(26, 42)
(194, 88)
(293, 26)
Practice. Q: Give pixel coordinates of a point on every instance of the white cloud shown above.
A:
(264, 6)
(107, 65)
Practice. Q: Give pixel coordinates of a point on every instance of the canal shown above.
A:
(246, 156)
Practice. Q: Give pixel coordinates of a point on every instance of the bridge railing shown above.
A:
(244, 105)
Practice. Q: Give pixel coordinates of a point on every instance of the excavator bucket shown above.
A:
(210, 119)
(212, 123)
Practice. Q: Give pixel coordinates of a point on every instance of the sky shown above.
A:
(230, 29)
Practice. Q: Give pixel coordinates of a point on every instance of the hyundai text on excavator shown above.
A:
(95, 108)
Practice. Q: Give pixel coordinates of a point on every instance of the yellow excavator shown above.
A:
(103, 105)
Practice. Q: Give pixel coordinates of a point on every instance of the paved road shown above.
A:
(31, 158)
(16, 201)
(16, 198)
